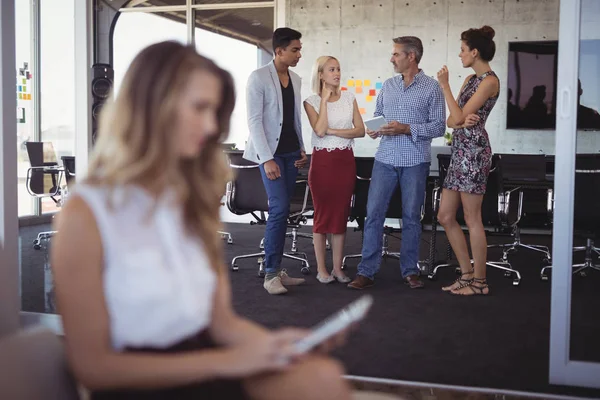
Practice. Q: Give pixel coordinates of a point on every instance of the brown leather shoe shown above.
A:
(414, 282)
(361, 282)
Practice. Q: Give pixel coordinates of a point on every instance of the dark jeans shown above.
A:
(279, 192)
(384, 181)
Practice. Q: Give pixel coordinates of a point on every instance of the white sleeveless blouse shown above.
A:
(158, 283)
(339, 116)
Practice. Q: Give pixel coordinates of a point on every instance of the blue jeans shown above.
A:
(279, 192)
(384, 181)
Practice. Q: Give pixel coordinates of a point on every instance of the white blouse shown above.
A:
(158, 283)
(339, 116)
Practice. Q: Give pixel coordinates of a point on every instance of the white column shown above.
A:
(9, 223)
(190, 23)
(83, 97)
(280, 13)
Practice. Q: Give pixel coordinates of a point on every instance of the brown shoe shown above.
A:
(361, 282)
(414, 282)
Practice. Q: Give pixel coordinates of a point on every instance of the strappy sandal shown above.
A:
(477, 286)
(461, 282)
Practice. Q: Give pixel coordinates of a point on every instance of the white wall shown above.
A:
(360, 32)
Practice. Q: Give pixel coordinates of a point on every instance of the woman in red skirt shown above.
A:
(336, 121)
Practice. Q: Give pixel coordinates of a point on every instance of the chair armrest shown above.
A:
(49, 171)
(436, 195)
(504, 206)
(550, 204)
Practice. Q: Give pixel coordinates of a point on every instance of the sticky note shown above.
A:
(372, 92)
(20, 96)
(24, 81)
(20, 88)
(378, 85)
(367, 82)
(358, 90)
(28, 96)
(24, 88)
(362, 110)
(369, 99)
(344, 88)
(358, 83)
(350, 83)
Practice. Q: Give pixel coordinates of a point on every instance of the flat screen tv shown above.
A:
(531, 94)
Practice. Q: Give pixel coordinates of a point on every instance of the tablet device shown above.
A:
(336, 323)
(376, 123)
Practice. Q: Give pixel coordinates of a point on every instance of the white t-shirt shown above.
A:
(158, 283)
(339, 116)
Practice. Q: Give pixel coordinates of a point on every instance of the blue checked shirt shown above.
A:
(420, 105)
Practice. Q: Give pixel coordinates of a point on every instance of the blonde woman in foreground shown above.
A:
(140, 282)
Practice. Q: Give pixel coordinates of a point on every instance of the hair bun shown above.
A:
(488, 32)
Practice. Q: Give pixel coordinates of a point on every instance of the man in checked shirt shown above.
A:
(413, 105)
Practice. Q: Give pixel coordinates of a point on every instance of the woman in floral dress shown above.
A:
(471, 158)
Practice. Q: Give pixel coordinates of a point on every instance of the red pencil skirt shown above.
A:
(331, 178)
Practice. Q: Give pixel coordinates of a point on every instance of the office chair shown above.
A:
(586, 221)
(494, 215)
(44, 179)
(523, 172)
(246, 195)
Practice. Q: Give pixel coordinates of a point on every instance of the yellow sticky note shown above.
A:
(24, 81)
(24, 88)
(358, 89)
(350, 83)
(28, 96)
(369, 99)
(367, 82)
(358, 83)
(362, 110)
(20, 96)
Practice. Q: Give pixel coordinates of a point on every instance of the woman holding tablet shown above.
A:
(336, 121)
(140, 282)
(471, 158)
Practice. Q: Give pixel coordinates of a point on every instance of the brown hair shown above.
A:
(135, 144)
(481, 39)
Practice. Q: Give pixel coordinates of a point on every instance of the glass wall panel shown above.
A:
(26, 97)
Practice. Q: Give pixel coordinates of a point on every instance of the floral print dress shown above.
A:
(471, 152)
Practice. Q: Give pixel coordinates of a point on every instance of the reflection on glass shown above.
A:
(585, 296)
(532, 70)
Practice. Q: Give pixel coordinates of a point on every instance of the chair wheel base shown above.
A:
(234, 267)
(432, 277)
(516, 282)
(544, 278)
(305, 270)
(230, 241)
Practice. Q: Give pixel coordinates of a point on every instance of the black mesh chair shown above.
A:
(246, 195)
(524, 173)
(494, 210)
(358, 211)
(586, 218)
(44, 179)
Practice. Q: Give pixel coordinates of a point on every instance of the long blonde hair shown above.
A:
(316, 83)
(136, 146)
